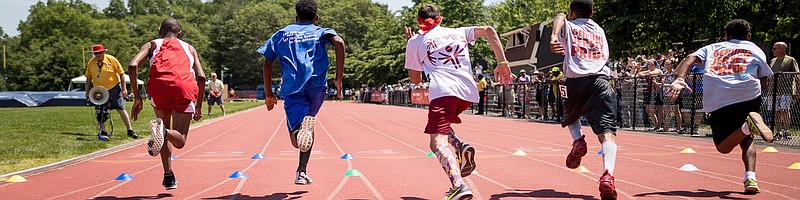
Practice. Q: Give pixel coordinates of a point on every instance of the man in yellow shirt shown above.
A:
(105, 70)
(481, 93)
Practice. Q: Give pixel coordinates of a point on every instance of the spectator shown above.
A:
(541, 92)
(523, 81)
(669, 77)
(783, 63)
(508, 95)
(481, 94)
(653, 96)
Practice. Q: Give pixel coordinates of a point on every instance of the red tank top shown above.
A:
(172, 70)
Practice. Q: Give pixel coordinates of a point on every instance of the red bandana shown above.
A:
(426, 25)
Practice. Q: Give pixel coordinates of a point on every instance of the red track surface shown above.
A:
(389, 149)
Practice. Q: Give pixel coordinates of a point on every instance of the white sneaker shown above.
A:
(305, 138)
(302, 179)
(157, 134)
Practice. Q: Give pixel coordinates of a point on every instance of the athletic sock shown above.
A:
(453, 139)
(304, 156)
(609, 156)
(449, 164)
(746, 129)
(575, 130)
(749, 175)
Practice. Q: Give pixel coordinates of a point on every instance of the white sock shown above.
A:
(746, 129)
(609, 156)
(575, 130)
(749, 175)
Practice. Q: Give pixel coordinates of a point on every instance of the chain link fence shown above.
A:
(642, 104)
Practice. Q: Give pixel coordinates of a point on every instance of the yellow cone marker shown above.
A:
(795, 166)
(519, 153)
(16, 179)
(770, 150)
(580, 169)
(688, 150)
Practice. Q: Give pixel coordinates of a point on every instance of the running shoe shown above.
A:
(466, 159)
(607, 189)
(751, 186)
(757, 127)
(301, 178)
(577, 152)
(157, 134)
(169, 181)
(305, 138)
(461, 192)
(133, 134)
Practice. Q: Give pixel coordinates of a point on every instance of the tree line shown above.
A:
(54, 39)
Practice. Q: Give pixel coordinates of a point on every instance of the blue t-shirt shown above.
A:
(304, 60)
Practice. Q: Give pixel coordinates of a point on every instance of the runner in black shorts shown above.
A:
(734, 72)
(587, 91)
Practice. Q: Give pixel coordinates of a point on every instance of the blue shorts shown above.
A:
(302, 104)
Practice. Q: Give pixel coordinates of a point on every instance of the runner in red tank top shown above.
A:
(176, 77)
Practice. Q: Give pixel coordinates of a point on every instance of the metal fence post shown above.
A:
(635, 110)
(692, 128)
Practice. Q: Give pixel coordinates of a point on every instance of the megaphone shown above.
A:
(98, 95)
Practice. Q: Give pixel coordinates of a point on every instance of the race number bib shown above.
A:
(563, 89)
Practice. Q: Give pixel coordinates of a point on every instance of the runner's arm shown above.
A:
(267, 75)
(338, 44)
(415, 76)
(133, 67)
(200, 78)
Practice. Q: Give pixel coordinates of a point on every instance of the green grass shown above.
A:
(38, 136)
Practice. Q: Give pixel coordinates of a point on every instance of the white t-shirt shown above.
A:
(216, 87)
(732, 71)
(585, 48)
(443, 54)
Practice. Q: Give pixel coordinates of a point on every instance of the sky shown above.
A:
(15, 11)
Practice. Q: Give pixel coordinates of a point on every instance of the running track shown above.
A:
(390, 150)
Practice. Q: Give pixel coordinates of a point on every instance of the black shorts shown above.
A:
(726, 120)
(658, 100)
(594, 98)
(212, 100)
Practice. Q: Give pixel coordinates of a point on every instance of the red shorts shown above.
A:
(179, 104)
(444, 111)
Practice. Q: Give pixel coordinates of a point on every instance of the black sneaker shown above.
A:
(103, 136)
(133, 134)
(169, 181)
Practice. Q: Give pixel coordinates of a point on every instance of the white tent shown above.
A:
(82, 80)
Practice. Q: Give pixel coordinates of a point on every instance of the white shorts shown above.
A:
(784, 102)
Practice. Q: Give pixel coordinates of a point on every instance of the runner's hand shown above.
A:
(338, 89)
(137, 107)
(270, 100)
(409, 33)
(502, 74)
(198, 112)
(556, 47)
(677, 87)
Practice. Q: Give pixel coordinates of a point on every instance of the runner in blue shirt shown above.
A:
(304, 67)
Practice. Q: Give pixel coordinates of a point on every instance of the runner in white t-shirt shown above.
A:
(443, 55)
(732, 84)
(587, 91)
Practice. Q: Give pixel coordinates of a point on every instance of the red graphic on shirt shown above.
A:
(451, 53)
(730, 61)
(588, 46)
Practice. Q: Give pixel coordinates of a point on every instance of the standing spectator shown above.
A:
(215, 88)
(508, 95)
(105, 70)
(780, 64)
(652, 96)
(481, 94)
(478, 69)
(541, 92)
(669, 77)
(523, 81)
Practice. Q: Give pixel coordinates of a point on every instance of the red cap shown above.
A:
(98, 48)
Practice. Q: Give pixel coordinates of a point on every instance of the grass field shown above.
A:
(38, 136)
